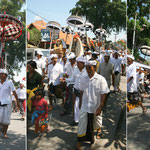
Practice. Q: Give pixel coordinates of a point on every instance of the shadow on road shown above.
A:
(15, 142)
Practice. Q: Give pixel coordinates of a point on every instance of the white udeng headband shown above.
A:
(4, 71)
(53, 56)
(91, 62)
(80, 59)
(71, 56)
(130, 56)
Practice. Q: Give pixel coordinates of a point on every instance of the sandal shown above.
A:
(144, 110)
(22, 119)
(99, 134)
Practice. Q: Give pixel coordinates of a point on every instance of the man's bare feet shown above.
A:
(5, 136)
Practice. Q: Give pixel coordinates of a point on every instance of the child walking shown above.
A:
(40, 115)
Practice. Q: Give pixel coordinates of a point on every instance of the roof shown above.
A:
(40, 24)
(65, 37)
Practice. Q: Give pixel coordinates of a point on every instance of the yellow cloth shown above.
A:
(30, 95)
(131, 106)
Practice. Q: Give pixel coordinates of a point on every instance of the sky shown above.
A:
(57, 11)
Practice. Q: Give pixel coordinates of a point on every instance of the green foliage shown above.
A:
(142, 31)
(142, 7)
(111, 15)
(35, 36)
(16, 50)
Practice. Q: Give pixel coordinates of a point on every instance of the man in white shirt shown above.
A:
(60, 56)
(41, 64)
(78, 73)
(55, 72)
(131, 83)
(92, 96)
(6, 87)
(21, 93)
(69, 90)
(123, 64)
(117, 71)
(140, 82)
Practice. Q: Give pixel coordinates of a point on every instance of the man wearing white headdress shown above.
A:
(117, 70)
(106, 69)
(55, 72)
(76, 77)
(92, 96)
(21, 93)
(41, 64)
(132, 84)
(69, 90)
(140, 81)
(6, 87)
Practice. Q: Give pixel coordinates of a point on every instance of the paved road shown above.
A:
(139, 128)
(63, 136)
(16, 133)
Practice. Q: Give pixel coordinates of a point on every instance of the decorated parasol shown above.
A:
(87, 27)
(10, 29)
(100, 33)
(74, 21)
(145, 50)
(53, 27)
(67, 30)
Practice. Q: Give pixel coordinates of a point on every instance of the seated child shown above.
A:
(40, 115)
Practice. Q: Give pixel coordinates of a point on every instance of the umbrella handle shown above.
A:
(51, 38)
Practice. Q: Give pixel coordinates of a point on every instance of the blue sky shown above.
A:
(52, 10)
(58, 11)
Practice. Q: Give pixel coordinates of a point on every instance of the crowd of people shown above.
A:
(81, 82)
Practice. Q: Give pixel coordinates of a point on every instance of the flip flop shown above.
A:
(99, 135)
(22, 119)
(145, 110)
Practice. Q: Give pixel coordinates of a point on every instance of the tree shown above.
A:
(142, 30)
(111, 15)
(16, 50)
(35, 36)
(138, 6)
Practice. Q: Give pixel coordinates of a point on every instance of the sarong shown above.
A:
(88, 122)
(5, 114)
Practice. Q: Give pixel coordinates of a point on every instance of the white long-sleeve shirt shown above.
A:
(131, 72)
(76, 77)
(55, 73)
(117, 64)
(70, 71)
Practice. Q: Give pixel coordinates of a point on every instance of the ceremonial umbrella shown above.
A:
(86, 27)
(53, 26)
(145, 50)
(67, 30)
(10, 29)
(100, 33)
(74, 21)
